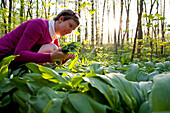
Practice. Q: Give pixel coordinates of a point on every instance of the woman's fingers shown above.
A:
(71, 56)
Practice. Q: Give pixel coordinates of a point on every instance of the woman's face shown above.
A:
(65, 27)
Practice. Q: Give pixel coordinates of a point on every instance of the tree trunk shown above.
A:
(114, 17)
(79, 11)
(21, 11)
(49, 8)
(162, 28)
(101, 43)
(4, 15)
(120, 22)
(108, 10)
(44, 6)
(37, 8)
(127, 6)
(92, 23)
(97, 23)
(10, 14)
(138, 24)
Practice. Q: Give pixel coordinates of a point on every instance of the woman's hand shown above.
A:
(58, 54)
(71, 56)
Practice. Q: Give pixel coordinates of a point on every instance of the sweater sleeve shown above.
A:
(31, 34)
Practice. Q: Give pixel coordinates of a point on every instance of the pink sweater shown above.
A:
(32, 32)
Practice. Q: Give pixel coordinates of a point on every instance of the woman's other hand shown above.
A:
(71, 56)
(58, 54)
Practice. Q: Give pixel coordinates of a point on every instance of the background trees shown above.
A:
(103, 22)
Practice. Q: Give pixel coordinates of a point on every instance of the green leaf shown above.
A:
(4, 66)
(31, 81)
(5, 101)
(6, 85)
(96, 65)
(109, 92)
(160, 93)
(33, 67)
(132, 72)
(84, 104)
(127, 90)
(71, 47)
(145, 107)
(49, 73)
(53, 106)
(142, 76)
(75, 60)
(21, 98)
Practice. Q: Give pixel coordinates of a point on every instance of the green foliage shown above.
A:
(71, 47)
(86, 87)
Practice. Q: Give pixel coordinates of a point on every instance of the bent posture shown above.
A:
(32, 40)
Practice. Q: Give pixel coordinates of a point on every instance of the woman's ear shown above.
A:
(61, 18)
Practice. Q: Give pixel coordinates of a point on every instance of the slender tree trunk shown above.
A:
(120, 24)
(162, 28)
(101, 43)
(13, 17)
(108, 10)
(44, 5)
(97, 23)
(21, 11)
(79, 11)
(148, 28)
(127, 6)
(96, 27)
(10, 14)
(122, 45)
(157, 30)
(138, 24)
(4, 15)
(37, 8)
(114, 17)
(92, 23)
(49, 8)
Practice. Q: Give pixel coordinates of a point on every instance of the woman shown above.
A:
(33, 40)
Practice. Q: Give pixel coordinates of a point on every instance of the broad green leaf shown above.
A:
(145, 108)
(167, 65)
(160, 93)
(4, 66)
(33, 67)
(127, 90)
(31, 81)
(96, 65)
(149, 65)
(73, 63)
(6, 85)
(49, 73)
(53, 106)
(20, 84)
(145, 88)
(45, 100)
(110, 93)
(5, 101)
(84, 104)
(21, 98)
(142, 76)
(76, 80)
(151, 75)
(132, 72)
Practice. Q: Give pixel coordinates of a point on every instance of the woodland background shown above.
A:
(123, 28)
